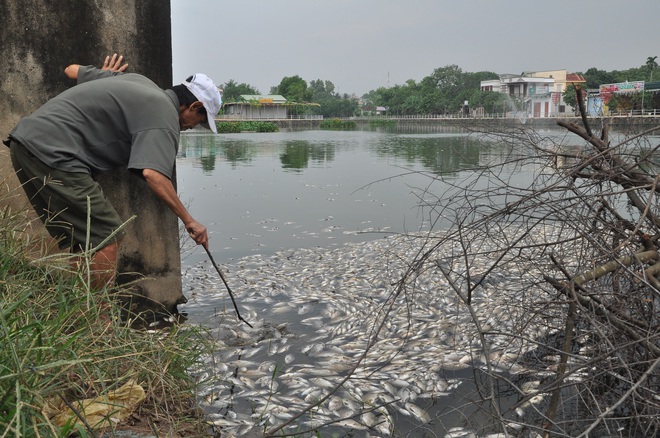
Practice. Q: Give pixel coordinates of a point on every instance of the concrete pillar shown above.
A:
(38, 39)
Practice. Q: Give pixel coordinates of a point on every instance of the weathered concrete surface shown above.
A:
(38, 39)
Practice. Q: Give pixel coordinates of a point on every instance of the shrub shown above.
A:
(229, 127)
(251, 126)
(382, 122)
(338, 124)
(259, 126)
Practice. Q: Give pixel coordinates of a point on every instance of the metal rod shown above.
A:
(231, 294)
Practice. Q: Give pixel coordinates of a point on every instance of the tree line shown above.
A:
(296, 90)
(444, 91)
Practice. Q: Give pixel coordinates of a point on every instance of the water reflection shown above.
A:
(439, 153)
(264, 192)
(297, 154)
(205, 148)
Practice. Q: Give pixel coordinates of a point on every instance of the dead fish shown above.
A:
(460, 432)
(320, 382)
(351, 424)
(389, 388)
(417, 412)
(334, 404)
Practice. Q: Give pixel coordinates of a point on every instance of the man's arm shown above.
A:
(113, 64)
(163, 188)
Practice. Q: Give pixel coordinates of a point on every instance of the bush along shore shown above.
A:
(70, 363)
(237, 127)
(338, 124)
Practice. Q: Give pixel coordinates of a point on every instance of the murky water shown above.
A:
(302, 224)
(259, 193)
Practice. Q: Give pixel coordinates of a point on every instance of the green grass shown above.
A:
(55, 346)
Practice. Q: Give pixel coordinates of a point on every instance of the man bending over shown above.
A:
(109, 119)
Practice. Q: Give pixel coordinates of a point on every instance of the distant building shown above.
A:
(598, 99)
(595, 103)
(371, 110)
(253, 106)
(538, 94)
(562, 79)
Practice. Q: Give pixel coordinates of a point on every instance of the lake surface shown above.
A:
(259, 193)
(291, 214)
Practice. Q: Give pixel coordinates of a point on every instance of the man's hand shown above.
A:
(198, 233)
(163, 188)
(114, 63)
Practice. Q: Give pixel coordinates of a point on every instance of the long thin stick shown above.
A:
(231, 294)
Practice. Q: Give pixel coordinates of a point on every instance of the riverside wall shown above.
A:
(38, 39)
(617, 122)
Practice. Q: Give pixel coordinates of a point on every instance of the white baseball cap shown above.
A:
(206, 92)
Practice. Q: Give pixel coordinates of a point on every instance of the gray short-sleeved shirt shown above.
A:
(104, 122)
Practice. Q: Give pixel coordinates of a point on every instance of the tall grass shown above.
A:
(57, 343)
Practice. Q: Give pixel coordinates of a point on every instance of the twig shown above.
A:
(79, 415)
(600, 310)
(630, 391)
(613, 265)
(583, 112)
(566, 350)
(231, 294)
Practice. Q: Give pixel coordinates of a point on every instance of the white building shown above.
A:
(538, 93)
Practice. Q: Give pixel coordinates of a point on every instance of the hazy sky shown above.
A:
(361, 45)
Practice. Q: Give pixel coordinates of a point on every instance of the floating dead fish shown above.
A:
(331, 300)
(417, 412)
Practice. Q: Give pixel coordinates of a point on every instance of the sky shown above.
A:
(360, 45)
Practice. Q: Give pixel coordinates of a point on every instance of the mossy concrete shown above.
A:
(38, 39)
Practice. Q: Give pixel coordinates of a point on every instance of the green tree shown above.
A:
(651, 65)
(232, 91)
(595, 78)
(411, 98)
(331, 103)
(294, 89)
(321, 89)
(450, 87)
(446, 78)
(631, 74)
(473, 80)
(337, 106)
(491, 101)
(570, 97)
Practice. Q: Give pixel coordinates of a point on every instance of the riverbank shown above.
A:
(71, 363)
(408, 122)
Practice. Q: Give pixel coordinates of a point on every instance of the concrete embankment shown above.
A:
(39, 39)
(617, 122)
